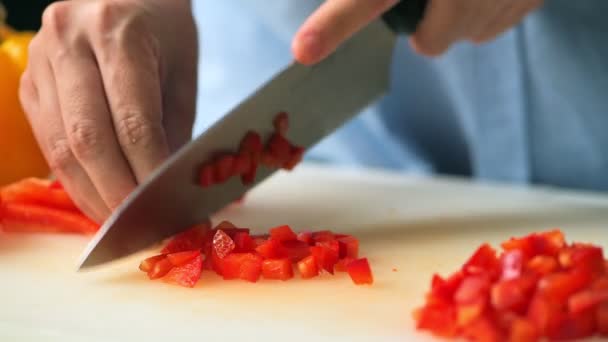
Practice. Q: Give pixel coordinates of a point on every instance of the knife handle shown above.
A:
(405, 16)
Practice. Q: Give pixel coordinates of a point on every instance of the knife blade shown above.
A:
(319, 99)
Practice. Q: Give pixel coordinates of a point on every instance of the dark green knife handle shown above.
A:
(405, 16)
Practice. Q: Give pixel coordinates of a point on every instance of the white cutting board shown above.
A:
(416, 225)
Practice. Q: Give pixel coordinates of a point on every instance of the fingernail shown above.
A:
(310, 48)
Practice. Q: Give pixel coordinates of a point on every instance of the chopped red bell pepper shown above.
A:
(280, 269)
(308, 267)
(245, 266)
(187, 274)
(349, 247)
(281, 123)
(541, 288)
(222, 244)
(295, 250)
(243, 243)
(306, 237)
(342, 264)
(271, 249)
(360, 272)
(224, 168)
(283, 233)
(206, 176)
(191, 239)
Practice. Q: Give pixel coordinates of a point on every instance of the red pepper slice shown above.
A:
(148, 264)
(180, 258)
(522, 330)
(30, 218)
(224, 168)
(38, 192)
(279, 148)
(206, 176)
(280, 269)
(360, 272)
(252, 144)
(160, 268)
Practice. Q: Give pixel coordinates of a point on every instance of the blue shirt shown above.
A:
(529, 107)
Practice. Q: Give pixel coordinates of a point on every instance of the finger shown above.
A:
(131, 79)
(511, 17)
(333, 23)
(88, 124)
(42, 108)
(443, 24)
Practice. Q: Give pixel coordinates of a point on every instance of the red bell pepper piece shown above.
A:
(280, 269)
(242, 163)
(323, 235)
(222, 244)
(349, 247)
(440, 319)
(252, 144)
(342, 264)
(148, 264)
(206, 176)
(245, 266)
(513, 294)
(601, 318)
(279, 148)
(522, 330)
(223, 168)
(308, 267)
(160, 268)
(281, 123)
(180, 258)
(306, 237)
(484, 260)
(542, 265)
(243, 243)
(360, 272)
(191, 239)
(295, 250)
(283, 233)
(296, 155)
(187, 274)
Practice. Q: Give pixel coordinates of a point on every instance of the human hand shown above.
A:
(110, 91)
(445, 23)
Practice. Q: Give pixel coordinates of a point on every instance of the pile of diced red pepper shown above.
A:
(37, 205)
(278, 153)
(233, 253)
(539, 286)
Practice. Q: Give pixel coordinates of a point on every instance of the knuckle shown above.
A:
(103, 15)
(84, 140)
(60, 155)
(134, 129)
(55, 17)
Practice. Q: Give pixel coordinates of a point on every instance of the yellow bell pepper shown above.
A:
(19, 151)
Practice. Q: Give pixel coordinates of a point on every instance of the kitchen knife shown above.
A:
(318, 98)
